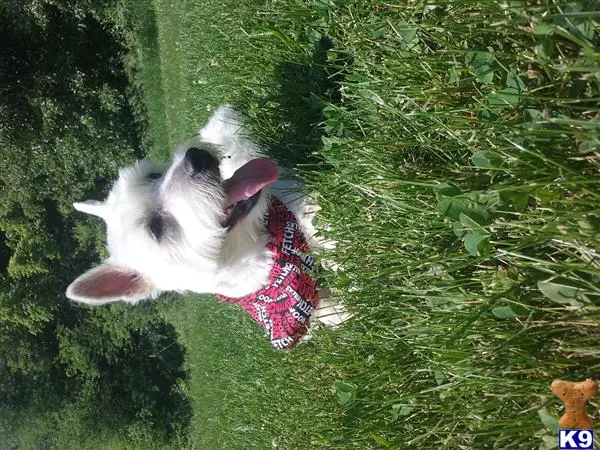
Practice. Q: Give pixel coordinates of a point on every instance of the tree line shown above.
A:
(67, 123)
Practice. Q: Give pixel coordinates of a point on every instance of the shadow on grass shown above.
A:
(290, 122)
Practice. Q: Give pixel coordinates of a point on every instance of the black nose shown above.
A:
(197, 160)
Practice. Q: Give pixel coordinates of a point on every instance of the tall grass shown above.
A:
(453, 147)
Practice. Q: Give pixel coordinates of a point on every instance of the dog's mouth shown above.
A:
(244, 188)
(240, 210)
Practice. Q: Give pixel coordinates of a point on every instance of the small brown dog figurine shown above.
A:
(575, 396)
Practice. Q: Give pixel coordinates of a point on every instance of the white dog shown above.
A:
(208, 223)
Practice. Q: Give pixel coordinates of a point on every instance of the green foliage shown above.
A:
(67, 124)
(455, 158)
(453, 147)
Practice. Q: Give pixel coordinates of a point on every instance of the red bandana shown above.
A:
(284, 305)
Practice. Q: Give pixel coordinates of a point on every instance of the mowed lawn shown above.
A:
(453, 146)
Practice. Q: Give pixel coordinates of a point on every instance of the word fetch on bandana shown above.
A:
(284, 305)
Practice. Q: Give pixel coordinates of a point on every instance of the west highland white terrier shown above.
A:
(220, 219)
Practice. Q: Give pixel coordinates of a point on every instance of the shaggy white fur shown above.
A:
(165, 225)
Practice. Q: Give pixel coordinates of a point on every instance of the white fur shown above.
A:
(200, 256)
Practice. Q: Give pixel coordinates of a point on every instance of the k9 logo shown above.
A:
(575, 439)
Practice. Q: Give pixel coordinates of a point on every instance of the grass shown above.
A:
(454, 149)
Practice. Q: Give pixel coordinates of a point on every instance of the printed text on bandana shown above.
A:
(285, 304)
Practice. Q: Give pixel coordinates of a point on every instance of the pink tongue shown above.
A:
(249, 179)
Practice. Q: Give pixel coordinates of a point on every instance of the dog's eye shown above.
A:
(156, 225)
(154, 175)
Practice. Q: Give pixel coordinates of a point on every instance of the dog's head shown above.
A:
(166, 226)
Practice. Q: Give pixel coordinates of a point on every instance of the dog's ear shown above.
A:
(109, 283)
(93, 207)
